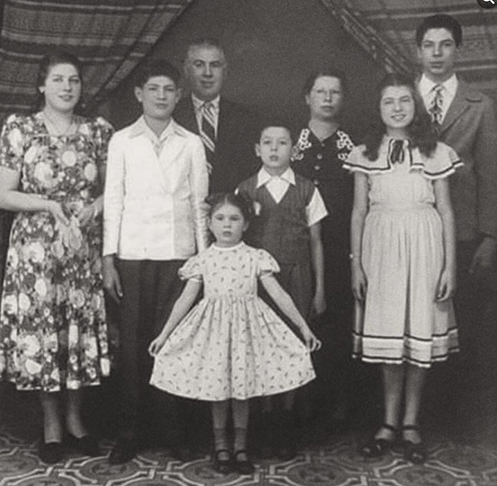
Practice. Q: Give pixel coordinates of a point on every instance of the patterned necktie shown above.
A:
(436, 108)
(208, 130)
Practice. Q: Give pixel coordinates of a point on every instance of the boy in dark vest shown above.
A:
(289, 209)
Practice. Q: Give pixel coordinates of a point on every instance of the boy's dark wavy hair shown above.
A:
(420, 131)
(243, 202)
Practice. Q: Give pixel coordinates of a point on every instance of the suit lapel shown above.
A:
(223, 123)
(460, 103)
(187, 117)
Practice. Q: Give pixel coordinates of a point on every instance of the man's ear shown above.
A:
(138, 93)
(257, 149)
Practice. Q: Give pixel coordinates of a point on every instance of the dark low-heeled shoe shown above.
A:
(50, 452)
(123, 451)
(243, 465)
(222, 465)
(88, 444)
(375, 447)
(414, 452)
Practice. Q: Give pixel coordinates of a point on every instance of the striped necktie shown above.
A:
(208, 129)
(436, 107)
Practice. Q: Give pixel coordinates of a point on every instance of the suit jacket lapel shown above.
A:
(189, 120)
(223, 123)
(459, 104)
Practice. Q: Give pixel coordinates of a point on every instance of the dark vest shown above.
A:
(281, 228)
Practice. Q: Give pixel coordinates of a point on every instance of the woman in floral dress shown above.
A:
(322, 147)
(53, 335)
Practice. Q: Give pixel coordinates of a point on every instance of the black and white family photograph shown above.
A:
(248, 242)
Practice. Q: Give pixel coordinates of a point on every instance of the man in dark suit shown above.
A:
(465, 119)
(229, 130)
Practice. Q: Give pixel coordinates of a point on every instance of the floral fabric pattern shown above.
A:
(53, 333)
(232, 344)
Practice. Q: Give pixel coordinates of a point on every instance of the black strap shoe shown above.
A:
(243, 464)
(376, 447)
(88, 445)
(51, 452)
(414, 452)
(123, 451)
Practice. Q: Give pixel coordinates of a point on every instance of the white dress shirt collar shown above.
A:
(426, 86)
(263, 177)
(198, 103)
(140, 127)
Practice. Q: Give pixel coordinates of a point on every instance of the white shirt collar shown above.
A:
(140, 127)
(263, 176)
(198, 103)
(426, 86)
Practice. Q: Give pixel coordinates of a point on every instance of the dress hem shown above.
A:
(234, 397)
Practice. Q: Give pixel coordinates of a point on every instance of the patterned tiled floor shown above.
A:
(335, 464)
(332, 462)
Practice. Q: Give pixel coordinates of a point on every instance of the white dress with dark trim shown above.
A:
(402, 257)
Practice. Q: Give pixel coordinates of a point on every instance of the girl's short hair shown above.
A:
(243, 202)
(420, 131)
(47, 62)
(330, 72)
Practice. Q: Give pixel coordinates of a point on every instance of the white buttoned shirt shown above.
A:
(154, 194)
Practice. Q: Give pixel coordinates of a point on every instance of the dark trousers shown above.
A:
(464, 390)
(150, 289)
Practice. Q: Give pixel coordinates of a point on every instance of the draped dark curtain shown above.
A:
(386, 30)
(110, 37)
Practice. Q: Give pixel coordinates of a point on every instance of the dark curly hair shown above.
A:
(420, 131)
(439, 21)
(241, 201)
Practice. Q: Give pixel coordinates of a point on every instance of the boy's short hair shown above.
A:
(275, 122)
(439, 21)
(156, 67)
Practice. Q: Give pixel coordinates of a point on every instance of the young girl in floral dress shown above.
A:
(231, 346)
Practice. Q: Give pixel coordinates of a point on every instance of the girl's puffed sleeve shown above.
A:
(442, 163)
(192, 269)
(12, 143)
(266, 264)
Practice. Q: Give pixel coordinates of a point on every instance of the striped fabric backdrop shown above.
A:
(386, 29)
(110, 37)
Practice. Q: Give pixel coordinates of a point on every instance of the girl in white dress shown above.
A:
(403, 259)
(231, 346)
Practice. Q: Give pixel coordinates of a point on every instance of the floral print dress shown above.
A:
(52, 318)
(231, 344)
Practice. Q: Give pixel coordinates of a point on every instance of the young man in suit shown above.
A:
(229, 130)
(465, 119)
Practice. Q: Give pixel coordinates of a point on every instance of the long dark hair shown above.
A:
(50, 60)
(420, 131)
